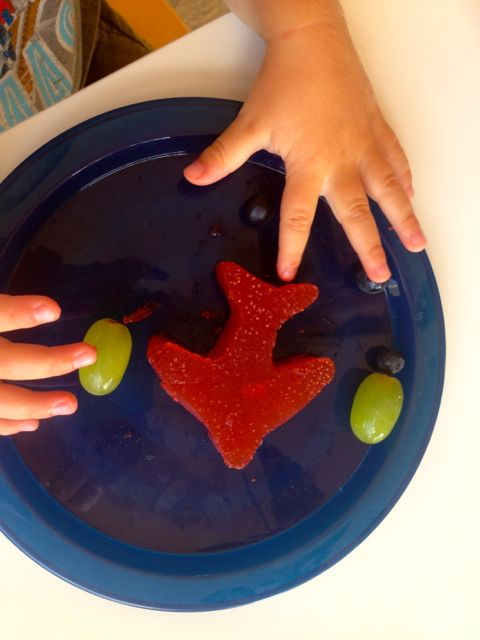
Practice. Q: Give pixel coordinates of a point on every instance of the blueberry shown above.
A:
(369, 286)
(257, 211)
(390, 360)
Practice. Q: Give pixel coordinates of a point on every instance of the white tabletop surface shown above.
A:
(415, 577)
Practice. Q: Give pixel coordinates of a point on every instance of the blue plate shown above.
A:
(128, 498)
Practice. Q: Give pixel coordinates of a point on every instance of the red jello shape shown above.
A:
(237, 391)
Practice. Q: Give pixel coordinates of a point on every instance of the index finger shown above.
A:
(23, 312)
(299, 203)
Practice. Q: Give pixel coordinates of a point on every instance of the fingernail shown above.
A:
(62, 409)
(45, 313)
(195, 170)
(32, 425)
(288, 273)
(84, 359)
(418, 239)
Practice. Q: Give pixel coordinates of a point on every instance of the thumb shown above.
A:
(229, 151)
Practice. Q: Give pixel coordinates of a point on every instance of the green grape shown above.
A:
(376, 407)
(114, 346)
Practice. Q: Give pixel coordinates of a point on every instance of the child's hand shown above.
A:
(20, 408)
(313, 105)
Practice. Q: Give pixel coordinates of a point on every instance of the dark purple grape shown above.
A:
(257, 211)
(390, 360)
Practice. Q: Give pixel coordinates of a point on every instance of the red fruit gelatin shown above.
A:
(237, 391)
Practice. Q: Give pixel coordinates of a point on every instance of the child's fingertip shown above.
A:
(46, 313)
(380, 273)
(287, 273)
(64, 408)
(418, 241)
(194, 171)
(86, 356)
(31, 425)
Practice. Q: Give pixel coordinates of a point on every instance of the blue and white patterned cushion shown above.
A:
(40, 56)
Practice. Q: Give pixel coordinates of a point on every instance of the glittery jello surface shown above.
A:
(237, 391)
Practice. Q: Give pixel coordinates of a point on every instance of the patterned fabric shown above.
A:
(40, 56)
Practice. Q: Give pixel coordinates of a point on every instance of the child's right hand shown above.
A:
(20, 408)
(313, 105)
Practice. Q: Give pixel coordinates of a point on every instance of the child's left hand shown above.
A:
(313, 105)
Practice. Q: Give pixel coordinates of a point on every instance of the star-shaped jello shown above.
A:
(237, 390)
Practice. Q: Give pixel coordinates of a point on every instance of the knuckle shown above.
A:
(399, 158)
(397, 147)
(387, 134)
(409, 219)
(357, 211)
(391, 138)
(217, 152)
(299, 221)
(375, 254)
(389, 182)
(250, 127)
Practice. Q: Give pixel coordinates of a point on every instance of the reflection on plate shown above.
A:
(128, 498)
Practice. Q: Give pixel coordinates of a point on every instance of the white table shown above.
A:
(415, 577)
